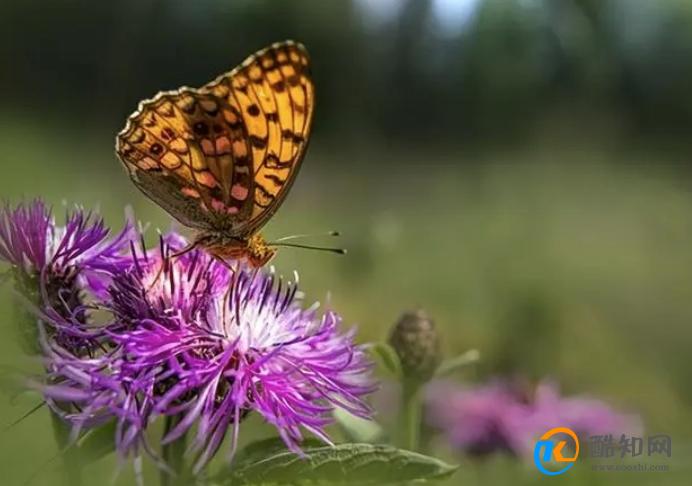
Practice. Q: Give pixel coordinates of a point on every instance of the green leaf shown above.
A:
(386, 358)
(258, 450)
(97, 443)
(451, 365)
(24, 314)
(362, 464)
(358, 429)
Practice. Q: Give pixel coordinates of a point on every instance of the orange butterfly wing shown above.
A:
(223, 157)
(275, 95)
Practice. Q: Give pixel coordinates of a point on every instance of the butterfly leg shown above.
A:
(185, 250)
(224, 263)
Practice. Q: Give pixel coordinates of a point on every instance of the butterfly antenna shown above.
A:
(293, 237)
(339, 251)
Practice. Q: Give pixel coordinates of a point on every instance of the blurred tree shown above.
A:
(411, 72)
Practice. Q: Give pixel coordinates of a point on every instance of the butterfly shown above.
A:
(222, 158)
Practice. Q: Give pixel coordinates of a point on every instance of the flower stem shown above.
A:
(173, 454)
(71, 464)
(410, 413)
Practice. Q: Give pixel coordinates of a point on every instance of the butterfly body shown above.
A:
(222, 158)
(254, 250)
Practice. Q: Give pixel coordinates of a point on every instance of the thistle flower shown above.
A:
(504, 417)
(32, 242)
(25, 232)
(162, 288)
(185, 337)
(208, 345)
(54, 265)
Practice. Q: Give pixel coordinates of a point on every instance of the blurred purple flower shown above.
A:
(503, 416)
(586, 416)
(479, 420)
(208, 345)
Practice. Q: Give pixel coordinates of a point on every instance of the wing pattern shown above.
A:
(223, 157)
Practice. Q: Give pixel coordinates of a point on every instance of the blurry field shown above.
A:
(569, 263)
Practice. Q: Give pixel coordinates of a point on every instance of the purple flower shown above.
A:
(155, 288)
(503, 416)
(24, 235)
(59, 268)
(209, 345)
(32, 242)
(479, 420)
(586, 416)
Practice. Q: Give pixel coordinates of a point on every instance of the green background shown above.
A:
(518, 168)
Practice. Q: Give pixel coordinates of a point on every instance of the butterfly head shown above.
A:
(258, 251)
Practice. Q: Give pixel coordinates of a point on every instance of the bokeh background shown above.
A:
(519, 168)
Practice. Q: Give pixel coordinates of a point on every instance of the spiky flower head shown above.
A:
(209, 344)
(55, 266)
(32, 242)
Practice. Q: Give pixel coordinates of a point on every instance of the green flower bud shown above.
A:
(415, 340)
